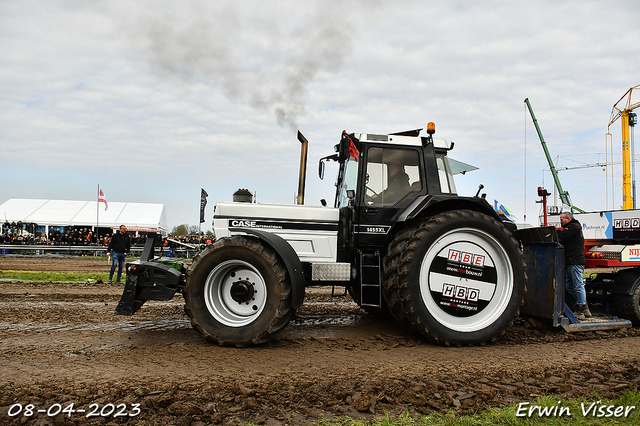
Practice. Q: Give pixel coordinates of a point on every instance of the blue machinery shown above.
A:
(545, 297)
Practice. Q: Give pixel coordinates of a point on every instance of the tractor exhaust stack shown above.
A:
(303, 167)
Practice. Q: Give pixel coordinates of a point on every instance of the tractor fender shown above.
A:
(428, 205)
(290, 259)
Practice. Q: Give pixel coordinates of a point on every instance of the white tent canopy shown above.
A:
(84, 213)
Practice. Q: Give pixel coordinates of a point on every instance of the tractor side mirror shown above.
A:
(333, 157)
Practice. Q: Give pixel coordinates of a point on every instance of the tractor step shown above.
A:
(370, 280)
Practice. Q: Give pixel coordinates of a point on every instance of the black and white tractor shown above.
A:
(398, 238)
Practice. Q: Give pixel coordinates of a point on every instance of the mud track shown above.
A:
(61, 344)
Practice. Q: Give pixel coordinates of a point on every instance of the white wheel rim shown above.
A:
(466, 280)
(218, 293)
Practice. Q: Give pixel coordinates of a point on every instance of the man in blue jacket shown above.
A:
(119, 246)
(574, 259)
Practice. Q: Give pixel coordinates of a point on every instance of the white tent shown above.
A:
(84, 213)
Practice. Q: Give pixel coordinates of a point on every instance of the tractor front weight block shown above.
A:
(148, 281)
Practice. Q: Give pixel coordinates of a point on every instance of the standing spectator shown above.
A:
(119, 246)
(573, 241)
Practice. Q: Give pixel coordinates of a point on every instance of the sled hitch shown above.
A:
(546, 296)
(599, 322)
(149, 279)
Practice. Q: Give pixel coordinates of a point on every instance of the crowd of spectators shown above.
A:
(75, 236)
(15, 233)
(193, 240)
(12, 228)
(6, 238)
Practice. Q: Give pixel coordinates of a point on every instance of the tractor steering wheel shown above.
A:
(369, 199)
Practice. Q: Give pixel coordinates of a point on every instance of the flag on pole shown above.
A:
(203, 203)
(102, 198)
(505, 211)
(353, 148)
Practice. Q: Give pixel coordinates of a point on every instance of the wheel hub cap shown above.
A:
(242, 291)
(235, 293)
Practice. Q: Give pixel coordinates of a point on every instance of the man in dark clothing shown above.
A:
(398, 180)
(398, 185)
(119, 246)
(573, 241)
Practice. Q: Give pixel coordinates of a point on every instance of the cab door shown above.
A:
(390, 180)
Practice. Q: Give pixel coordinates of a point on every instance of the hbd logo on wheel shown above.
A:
(466, 258)
(460, 292)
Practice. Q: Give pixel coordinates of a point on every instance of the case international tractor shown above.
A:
(398, 238)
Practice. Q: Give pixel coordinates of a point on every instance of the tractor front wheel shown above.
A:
(238, 292)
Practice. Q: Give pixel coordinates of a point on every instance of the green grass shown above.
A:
(508, 416)
(53, 276)
(43, 276)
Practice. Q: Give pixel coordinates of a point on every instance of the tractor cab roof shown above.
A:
(402, 140)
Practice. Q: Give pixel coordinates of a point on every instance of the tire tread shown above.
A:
(284, 311)
(397, 268)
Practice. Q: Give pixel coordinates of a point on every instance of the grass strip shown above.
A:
(545, 410)
(42, 276)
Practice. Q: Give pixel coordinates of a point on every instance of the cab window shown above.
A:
(349, 182)
(391, 175)
(447, 184)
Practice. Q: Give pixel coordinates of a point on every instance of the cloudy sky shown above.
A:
(153, 100)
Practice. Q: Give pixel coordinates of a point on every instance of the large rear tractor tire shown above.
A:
(458, 278)
(238, 292)
(628, 305)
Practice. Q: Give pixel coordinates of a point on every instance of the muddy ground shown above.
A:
(61, 344)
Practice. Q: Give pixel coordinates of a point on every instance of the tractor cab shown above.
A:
(381, 176)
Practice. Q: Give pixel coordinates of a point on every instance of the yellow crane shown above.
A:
(624, 109)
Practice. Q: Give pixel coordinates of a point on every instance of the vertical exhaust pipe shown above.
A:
(303, 167)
